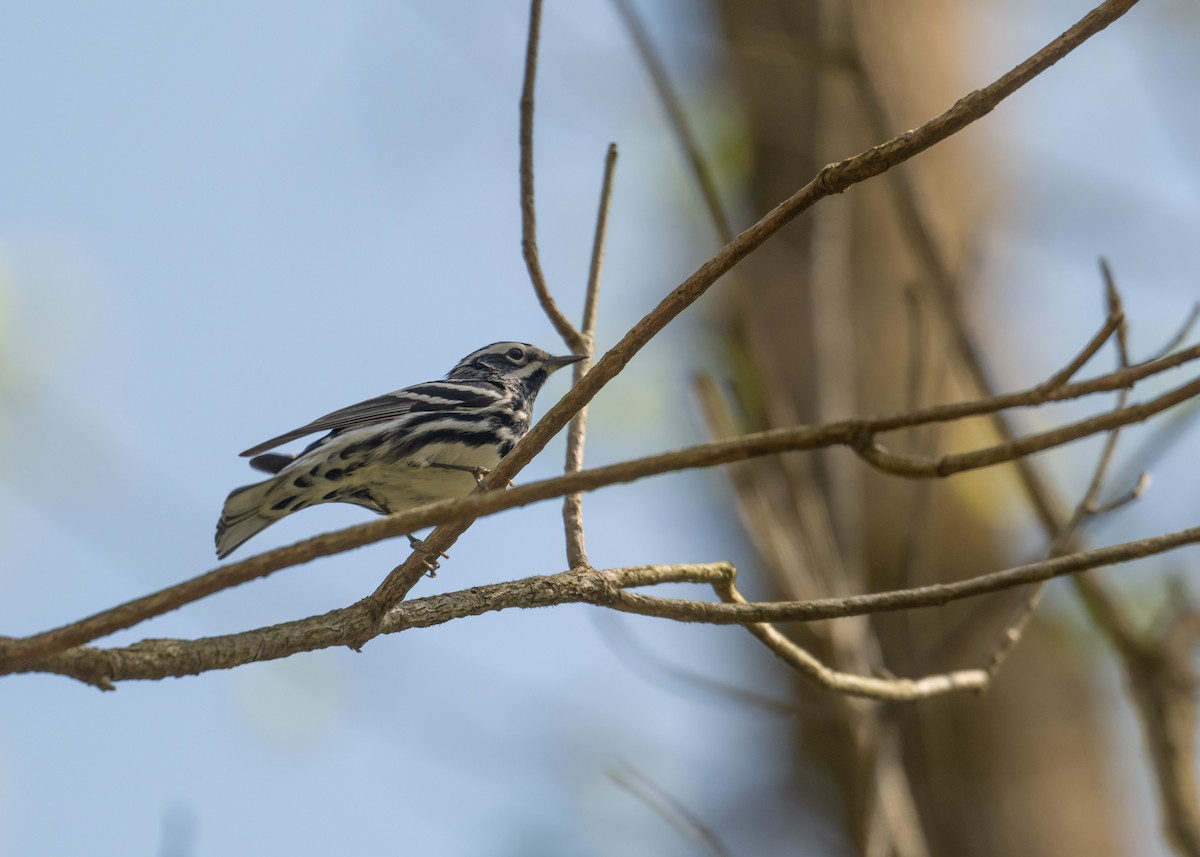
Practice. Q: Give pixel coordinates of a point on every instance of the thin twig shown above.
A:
(596, 265)
(1087, 507)
(1114, 323)
(1182, 334)
(890, 689)
(529, 248)
(932, 595)
(1135, 493)
(577, 430)
(920, 504)
(941, 466)
(671, 105)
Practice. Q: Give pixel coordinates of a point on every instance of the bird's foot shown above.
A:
(428, 558)
(479, 472)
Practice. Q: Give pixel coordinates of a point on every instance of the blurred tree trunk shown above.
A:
(835, 318)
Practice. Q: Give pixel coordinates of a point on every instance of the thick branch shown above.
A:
(153, 659)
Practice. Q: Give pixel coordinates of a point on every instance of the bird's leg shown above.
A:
(480, 473)
(430, 561)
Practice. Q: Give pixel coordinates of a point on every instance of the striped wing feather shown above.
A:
(433, 396)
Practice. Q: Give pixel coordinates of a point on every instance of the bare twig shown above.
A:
(1135, 493)
(1182, 334)
(890, 689)
(528, 208)
(932, 595)
(1159, 673)
(929, 467)
(1087, 507)
(577, 430)
(675, 115)
(596, 265)
(1114, 323)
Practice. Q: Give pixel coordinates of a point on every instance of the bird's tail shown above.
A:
(247, 512)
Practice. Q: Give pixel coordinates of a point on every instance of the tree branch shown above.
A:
(458, 513)
(831, 179)
(676, 117)
(577, 431)
(529, 247)
(933, 595)
(929, 467)
(154, 659)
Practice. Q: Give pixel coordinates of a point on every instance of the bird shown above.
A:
(428, 442)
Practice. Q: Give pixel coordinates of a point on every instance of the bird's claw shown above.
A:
(428, 559)
(479, 472)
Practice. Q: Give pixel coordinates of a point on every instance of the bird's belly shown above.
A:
(418, 479)
(343, 471)
(457, 454)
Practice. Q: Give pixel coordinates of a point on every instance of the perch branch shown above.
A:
(458, 513)
(154, 659)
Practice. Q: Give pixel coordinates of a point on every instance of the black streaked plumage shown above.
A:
(413, 446)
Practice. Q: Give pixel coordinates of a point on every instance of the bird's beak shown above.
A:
(553, 363)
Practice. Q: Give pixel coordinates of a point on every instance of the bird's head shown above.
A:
(511, 363)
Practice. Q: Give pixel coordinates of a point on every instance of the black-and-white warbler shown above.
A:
(427, 442)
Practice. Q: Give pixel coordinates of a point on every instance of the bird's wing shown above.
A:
(431, 396)
(272, 462)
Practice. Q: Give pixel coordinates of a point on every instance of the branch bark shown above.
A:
(155, 659)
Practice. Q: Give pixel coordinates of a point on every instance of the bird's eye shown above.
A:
(516, 355)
